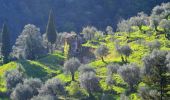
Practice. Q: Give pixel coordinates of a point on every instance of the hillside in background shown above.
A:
(70, 15)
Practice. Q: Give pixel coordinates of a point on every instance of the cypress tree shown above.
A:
(5, 50)
(51, 31)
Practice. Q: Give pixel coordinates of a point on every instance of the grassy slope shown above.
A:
(43, 68)
(139, 46)
(140, 49)
(51, 65)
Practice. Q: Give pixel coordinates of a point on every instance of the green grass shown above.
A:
(3, 69)
(138, 43)
(53, 61)
(43, 68)
(51, 65)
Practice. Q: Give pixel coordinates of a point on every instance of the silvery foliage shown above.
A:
(154, 45)
(34, 83)
(102, 51)
(124, 97)
(89, 81)
(112, 68)
(13, 77)
(158, 13)
(168, 61)
(124, 26)
(109, 80)
(86, 68)
(22, 92)
(148, 94)
(130, 74)
(154, 22)
(60, 40)
(153, 61)
(161, 11)
(52, 87)
(140, 20)
(125, 50)
(109, 30)
(72, 65)
(44, 97)
(89, 33)
(165, 24)
(27, 89)
(29, 44)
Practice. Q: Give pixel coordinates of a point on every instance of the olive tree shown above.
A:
(148, 94)
(154, 23)
(109, 30)
(34, 83)
(90, 82)
(22, 92)
(155, 71)
(13, 78)
(162, 11)
(27, 89)
(52, 87)
(112, 68)
(101, 52)
(130, 74)
(165, 25)
(154, 45)
(72, 66)
(86, 68)
(123, 96)
(44, 97)
(124, 50)
(124, 26)
(109, 80)
(158, 13)
(89, 33)
(29, 44)
(140, 20)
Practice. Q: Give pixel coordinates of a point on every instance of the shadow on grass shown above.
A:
(52, 61)
(33, 70)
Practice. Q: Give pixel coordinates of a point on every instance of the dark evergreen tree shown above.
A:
(51, 33)
(5, 50)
